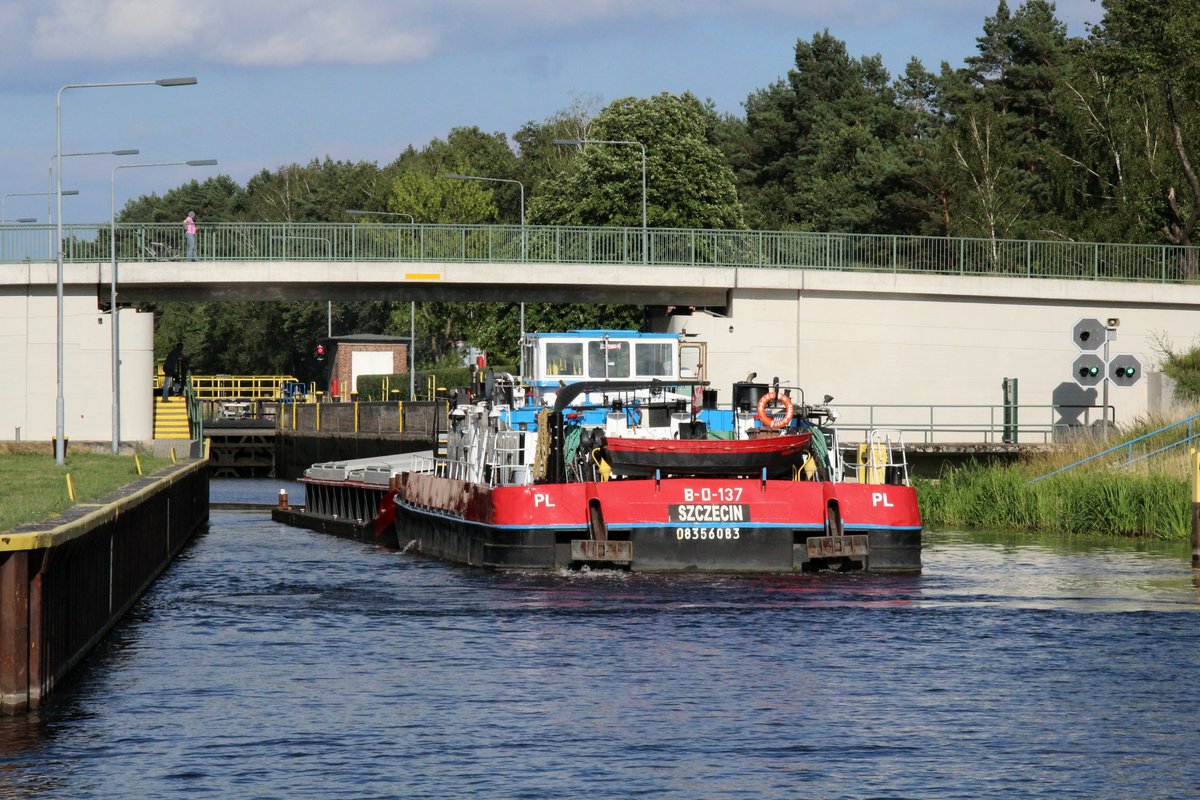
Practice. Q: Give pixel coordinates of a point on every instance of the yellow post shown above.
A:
(70, 488)
(137, 462)
(1195, 508)
(318, 417)
(400, 414)
(293, 413)
(207, 448)
(173, 461)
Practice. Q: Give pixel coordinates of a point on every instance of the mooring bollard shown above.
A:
(283, 500)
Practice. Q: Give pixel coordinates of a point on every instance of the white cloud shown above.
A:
(116, 31)
(260, 33)
(284, 33)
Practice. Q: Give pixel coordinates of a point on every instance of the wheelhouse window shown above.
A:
(655, 360)
(565, 359)
(608, 359)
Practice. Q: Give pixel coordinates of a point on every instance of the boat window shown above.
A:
(564, 358)
(655, 360)
(608, 359)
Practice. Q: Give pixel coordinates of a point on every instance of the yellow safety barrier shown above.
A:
(241, 387)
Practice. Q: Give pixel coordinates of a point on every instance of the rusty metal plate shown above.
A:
(838, 546)
(592, 550)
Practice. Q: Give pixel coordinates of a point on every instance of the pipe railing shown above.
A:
(973, 423)
(236, 241)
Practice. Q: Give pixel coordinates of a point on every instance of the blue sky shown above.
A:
(283, 82)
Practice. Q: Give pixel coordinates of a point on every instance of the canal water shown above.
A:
(275, 662)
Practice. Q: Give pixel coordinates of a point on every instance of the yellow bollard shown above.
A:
(400, 414)
(1195, 508)
(173, 461)
(137, 462)
(318, 417)
(70, 488)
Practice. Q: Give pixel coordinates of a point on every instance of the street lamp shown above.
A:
(455, 177)
(412, 305)
(50, 194)
(411, 220)
(5, 197)
(645, 227)
(60, 445)
(112, 297)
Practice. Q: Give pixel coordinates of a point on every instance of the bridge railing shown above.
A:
(237, 241)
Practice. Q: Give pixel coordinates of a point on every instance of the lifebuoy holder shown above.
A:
(775, 422)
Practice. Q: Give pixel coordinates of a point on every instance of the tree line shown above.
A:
(1037, 135)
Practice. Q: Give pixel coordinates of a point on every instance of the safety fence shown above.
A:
(237, 241)
(985, 424)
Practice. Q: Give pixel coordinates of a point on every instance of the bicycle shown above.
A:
(160, 251)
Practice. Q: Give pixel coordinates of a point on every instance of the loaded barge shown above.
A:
(606, 453)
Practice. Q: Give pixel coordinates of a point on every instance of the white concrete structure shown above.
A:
(900, 340)
(28, 359)
(867, 338)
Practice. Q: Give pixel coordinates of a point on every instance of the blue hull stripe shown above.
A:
(848, 526)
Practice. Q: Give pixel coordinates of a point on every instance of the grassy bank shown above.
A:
(1150, 499)
(33, 487)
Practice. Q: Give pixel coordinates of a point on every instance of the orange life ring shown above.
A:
(775, 422)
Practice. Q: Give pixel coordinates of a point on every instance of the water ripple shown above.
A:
(274, 662)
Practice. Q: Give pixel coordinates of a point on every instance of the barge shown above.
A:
(605, 453)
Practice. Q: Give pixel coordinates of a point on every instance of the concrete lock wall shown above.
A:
(29, 362)
(904, 349)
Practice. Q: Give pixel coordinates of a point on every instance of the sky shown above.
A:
(361, 80)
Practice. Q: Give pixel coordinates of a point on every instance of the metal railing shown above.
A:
(980, 423)
(246, 241)
(1126, 454)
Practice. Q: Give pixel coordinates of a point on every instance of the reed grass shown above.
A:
(33, 487)
(1106, 497)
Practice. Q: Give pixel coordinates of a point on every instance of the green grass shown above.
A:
(1151, 499)
(33, 487)
(1107, 503)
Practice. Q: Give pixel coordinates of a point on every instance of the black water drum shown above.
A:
(746, 395)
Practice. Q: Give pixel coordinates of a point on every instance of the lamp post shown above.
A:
(53, 160)
(455, 177)
(645, 227)
(412, 306)
(411, 220)
(5, 197)
(60, 445)
(112, 297)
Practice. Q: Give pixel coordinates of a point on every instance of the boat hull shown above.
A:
(679, 525)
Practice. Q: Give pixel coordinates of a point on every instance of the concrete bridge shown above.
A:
(903, 331)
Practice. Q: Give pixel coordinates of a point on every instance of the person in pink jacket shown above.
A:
(189, 227)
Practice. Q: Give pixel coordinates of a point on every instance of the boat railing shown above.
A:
(880, 459)
(506, 459)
